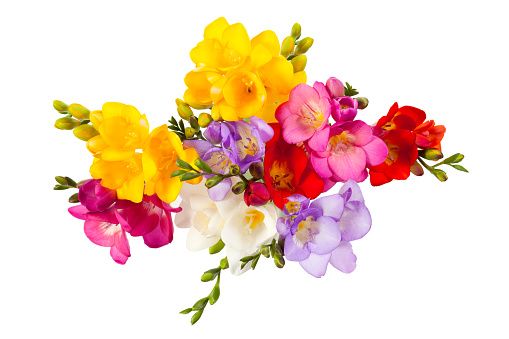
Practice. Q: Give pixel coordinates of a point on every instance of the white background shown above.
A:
(434, 264)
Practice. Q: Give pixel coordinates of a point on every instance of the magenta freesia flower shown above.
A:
(305, 114)
(350, 148)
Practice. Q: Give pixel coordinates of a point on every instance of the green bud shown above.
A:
(213, 181)
(217, 247)
(304, 45)
(60, 106)
(214, 295)
(265, 251)
(79, 112)
(363, 102)
(453, 159)
(61, 187)
(210, 274)
(459, 168)
(73, 199)
(189, 176)
(184, 111)
(202, 165)
(441, 175)
(179, 102)
(224, 263)
(255, 262)
(196, 316)
(66, 123)
(256, 170)
(296, 30)
(85, 132)
(278, 249)
(200, 304)
(239, 187)
(66, 181)
(431, 154)
(279, 260)
(234, 169)
(186, 311)
(299, 63)
(204, 119)
(189, 132)
(182, 164)
(287, 46)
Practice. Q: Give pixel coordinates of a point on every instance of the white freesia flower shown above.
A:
(244, 229)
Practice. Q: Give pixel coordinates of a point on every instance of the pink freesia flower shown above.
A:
(350, 148)
(305, 114)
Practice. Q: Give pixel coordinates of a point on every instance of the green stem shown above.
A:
(429, 168)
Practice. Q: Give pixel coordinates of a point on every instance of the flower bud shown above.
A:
(363, 102)
(335, 88)
(189, 132)
(213, 181)
(85, 132)
(66, 123)
(184, 111)
(256, 170)
(60, 106)
(431, 154)
(417, 169)
(299, 63)
(265, 251)
(213, 132)
(287, 46)
(73, 199)
(239, 187)
(79, 112)
(234, 169)
(179, 102)
(304, 45)
(224, 263)
(193, 121)
(204, 119)
(279, 260)
(441, 175)
(256, 194)
(296, 30)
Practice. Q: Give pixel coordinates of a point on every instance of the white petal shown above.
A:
(197, 241)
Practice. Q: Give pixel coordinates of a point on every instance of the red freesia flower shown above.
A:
(286, 170)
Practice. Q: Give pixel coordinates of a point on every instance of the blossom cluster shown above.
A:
(250, 171)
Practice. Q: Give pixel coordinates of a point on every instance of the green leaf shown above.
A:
(350, 91)
(181, 125)
(182, 164)
(186, 311)
(173, 121)
(178, 173)
(174, 128)
(217, 247)
(189, 176)
(200, 304)
(196, 316)
(202, 165)
(459, 168)
(454, 159)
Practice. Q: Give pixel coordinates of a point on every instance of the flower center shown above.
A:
(339, 143)
(282, 177)
(292, 207)
(307, 230)
(219, 161)
(254, 218)
(392, 156)
(311, 114)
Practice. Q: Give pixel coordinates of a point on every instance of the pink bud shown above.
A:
(335, 88)
(256, 194)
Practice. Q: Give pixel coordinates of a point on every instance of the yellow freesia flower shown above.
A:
(126, 176)
(238, 76)
(159, 159)
(122, 130)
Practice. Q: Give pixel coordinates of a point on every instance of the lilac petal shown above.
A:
(316, 264)
(163, 233)
(213, 132)
(327, 238)
(282, 227)
(78, 211)
(294, 252)
(118, 257)
(266, 132)
(376, 151)
(355, 223)
(332, 206)
(201, 146)
(219, 192)
(343, 258)
(320, 139)
(356, 193)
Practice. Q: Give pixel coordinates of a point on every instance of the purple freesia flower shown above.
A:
(311, 233)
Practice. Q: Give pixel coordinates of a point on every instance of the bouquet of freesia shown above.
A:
(251, 168)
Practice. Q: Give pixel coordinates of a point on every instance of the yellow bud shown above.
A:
(66, 123)
(303, 46)
(189, 132)
(296, 29)
(79, 112)
(184, 111)
(179, 102)
(204, 120)
(85, 132)
(299, 63)
(287, 46)
(60, 106)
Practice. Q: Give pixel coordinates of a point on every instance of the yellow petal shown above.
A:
(236, 43)
(278, 73)
(226, 112)
(96, 144)
(149, 166)
(133, 188)
(299, 78)
(116, 154)
(215, 29)
(168, 189)
(114, 130)
(259, 57)
(269, 40)
(130, 114)
(209, 53)
(112, 109)
(96, 118)
(216, 91)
